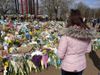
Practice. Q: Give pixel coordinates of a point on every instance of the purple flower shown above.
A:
(48, 49)
(59, 35)
(36, 59)
(37, 27)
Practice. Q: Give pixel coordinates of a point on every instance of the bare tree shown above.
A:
(6, 5)
(30, 6)
(88, 12)
(56, 8)
(33, 10)
(47, 7)
(37, 7)
(85, 10)
(97, 13)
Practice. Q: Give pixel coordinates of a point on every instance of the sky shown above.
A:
(90, 3)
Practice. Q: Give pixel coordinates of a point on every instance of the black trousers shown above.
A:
(71, 73)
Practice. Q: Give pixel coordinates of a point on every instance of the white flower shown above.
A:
(36, 53)
(14, 65)
(31, 65)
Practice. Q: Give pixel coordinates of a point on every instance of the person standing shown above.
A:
(94, 22)
(74, 44)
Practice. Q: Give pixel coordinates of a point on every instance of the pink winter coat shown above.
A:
(72, 52)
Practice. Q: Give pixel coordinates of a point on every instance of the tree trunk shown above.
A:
(30, 6)
(22, 10)
(37, 7)
(26, 4)
(56, 13)
(33, 10)
(16, 5)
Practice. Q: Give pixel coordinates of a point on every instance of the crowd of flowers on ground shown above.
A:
(28, 46)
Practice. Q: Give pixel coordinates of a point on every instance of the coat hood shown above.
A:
(79, 33)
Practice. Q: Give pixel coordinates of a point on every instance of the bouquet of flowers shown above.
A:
(24, 49)
(36, 59)
(54, 60)
(19, 65)
(96, 44)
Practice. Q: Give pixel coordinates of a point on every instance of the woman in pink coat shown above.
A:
(74, 44)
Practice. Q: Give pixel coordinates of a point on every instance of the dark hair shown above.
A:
(75, 18)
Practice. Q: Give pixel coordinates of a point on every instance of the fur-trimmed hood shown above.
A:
(76, 32)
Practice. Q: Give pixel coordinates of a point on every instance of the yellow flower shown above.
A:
(9, 41)
(17, 40)
(5, 64)
(0, 58)
(30, 33)
(48, 45)
(10, 50)
(44, 51)
(8, 34)
(24, 38)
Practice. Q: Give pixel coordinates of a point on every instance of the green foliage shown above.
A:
(96, 45)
